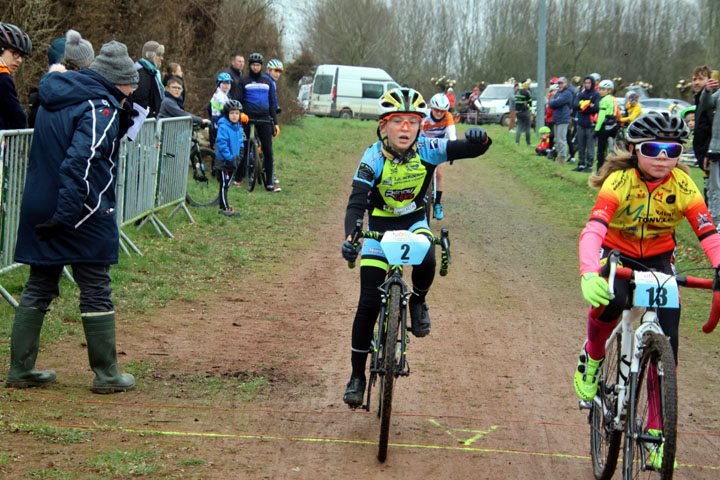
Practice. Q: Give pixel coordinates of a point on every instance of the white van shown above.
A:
(348, 92)
(495, 101)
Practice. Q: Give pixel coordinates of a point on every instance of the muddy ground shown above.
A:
(490, 393)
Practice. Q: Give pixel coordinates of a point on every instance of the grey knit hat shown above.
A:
(115, 65)
(78, 52)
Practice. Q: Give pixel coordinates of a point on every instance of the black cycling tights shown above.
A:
(369, 305)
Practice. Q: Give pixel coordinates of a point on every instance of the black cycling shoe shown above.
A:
(419, 319)
(354, 392)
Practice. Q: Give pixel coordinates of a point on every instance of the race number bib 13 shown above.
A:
(654, 289)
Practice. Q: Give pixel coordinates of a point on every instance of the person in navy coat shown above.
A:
(67, 215)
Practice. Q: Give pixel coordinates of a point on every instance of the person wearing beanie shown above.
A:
(67, 214)
(56, 52)
(79, 52)
(150, 91)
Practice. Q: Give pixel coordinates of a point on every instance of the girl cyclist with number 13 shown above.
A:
(644, 195)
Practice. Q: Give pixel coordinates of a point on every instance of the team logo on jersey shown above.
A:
(365, 172)
(433, 144)
(387, 181)
(401, 195)
(670, 199)
(703, 221)
(105, 102)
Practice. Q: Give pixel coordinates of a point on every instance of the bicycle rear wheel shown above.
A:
(652, 406)
(604, 438)
(251, 165)
(201, 192)
(261, 176)
(389, 346)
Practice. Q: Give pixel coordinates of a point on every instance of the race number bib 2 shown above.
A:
(404, 248)
(654, 289)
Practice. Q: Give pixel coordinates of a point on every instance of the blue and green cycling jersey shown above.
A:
(399, 188)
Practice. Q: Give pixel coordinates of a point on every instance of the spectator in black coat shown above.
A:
(150, 91)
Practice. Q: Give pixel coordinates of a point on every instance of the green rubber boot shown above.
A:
(24, 345)
(102, 353)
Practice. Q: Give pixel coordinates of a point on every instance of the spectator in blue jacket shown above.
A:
(229, 150)
(67, 215)
(587, 104)
(561, 105)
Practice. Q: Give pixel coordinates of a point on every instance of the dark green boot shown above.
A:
(102, 353)
(24, 345)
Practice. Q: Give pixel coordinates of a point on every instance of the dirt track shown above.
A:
(490, 394)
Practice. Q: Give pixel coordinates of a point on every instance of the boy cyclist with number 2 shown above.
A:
(391, 182)
(644, 195)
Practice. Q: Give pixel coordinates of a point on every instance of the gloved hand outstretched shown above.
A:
(595, 289)
(350, 251)
(277, 131)
(50, 229)
(476, 135)
(244, 119)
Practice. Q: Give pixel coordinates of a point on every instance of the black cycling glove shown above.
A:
(476, 135)
(350, 251)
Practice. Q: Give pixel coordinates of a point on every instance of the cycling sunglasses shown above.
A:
(653, 149)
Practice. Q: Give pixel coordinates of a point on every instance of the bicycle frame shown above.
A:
(395, 277)
(631, 347)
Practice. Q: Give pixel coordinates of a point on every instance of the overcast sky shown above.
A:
(290, 17)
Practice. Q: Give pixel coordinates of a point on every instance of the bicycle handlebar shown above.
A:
(443, 240)
(611, 271)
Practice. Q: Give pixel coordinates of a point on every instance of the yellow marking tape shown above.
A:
(478, 433)
(333, 440)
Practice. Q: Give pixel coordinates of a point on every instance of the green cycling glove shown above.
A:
(595, 289)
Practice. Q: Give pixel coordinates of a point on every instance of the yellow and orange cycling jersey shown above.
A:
(641, 220)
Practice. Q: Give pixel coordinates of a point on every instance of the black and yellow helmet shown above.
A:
(405, 101)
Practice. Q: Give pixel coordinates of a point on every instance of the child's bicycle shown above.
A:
(254, 160)
(637, 390)
(389, 344)
(200, 191)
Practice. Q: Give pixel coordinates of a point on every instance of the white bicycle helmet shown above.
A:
(607, 84)
(440, 102)
(275, 64)
(595, 76)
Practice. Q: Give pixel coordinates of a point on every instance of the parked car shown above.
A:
(663, 104)
(303, 97)
(347, 91)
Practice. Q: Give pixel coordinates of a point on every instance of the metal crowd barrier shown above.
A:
(14, 155)
(147, 181)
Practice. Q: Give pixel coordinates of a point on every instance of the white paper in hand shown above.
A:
(138, 121)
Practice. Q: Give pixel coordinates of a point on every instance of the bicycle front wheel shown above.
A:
(251, 165)
(201, 191)
(389, 347)
(604, 437)
(651, 429)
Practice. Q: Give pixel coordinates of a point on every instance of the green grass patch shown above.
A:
(51, 434)
(134, 463)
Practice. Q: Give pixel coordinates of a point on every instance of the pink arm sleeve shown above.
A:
(711, 247)
(591, 240)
